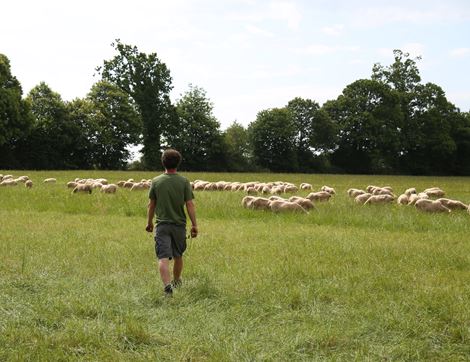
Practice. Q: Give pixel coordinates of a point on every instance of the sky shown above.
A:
(247, 55)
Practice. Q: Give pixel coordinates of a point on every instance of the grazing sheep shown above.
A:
(102, 181)
(8, 182)
(7, 177)
(246, 200)
(403, 199)
(434, 192)
(328, 189)
(274, 197)
(28, 184)
(305, 203)
(286, 206)
(362, 198)
(412, 199)
(82, 188)
(128, 185)
(306, 186)
(71, 184)
(277, 190)
(430, 206)
(379, 199)
(50, 180)
(22, 179)
(121, 183)
(291, 188)
(138, 186)
(371, 188)
(258, 203)
(423, 195)
(410, 191)
(321, 196)
(355, 192)
(453, 204)
(251, 191)
(382, 191)
(109, 189)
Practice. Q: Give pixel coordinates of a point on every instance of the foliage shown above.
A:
(273, 140)
(146, 79)
(196, 134)
(239, 153)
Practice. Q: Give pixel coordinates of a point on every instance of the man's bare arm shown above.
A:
(150, 214)
(191, 208)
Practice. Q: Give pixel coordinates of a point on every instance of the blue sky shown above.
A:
(248, 55)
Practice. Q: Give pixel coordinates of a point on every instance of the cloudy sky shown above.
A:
(248, 55)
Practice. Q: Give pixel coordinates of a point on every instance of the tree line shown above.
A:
(391, 123)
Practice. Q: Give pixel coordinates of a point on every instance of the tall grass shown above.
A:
(78, 277)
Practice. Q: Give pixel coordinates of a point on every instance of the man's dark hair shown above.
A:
(171, 158)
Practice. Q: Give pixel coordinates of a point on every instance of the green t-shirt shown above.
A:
(171, 191)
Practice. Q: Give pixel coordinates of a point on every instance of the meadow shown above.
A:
(78, 277)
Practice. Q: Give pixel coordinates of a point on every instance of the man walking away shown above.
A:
(168, 195)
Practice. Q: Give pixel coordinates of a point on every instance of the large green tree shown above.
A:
(273, 140)
(314, 131)
(147, 80)
(15, 115)
(196, 134)
(369, 121)
(116, 123)
(51, 143)
(238, 148)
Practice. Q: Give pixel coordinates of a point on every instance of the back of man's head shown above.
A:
(171, 159)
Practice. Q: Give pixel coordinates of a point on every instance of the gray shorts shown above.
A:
(170, 240)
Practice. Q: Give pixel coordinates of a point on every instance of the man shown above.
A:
(168, 195)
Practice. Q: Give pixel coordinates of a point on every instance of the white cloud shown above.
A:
(258, 31)
(333, 30)
(460, 52)
(323, 49)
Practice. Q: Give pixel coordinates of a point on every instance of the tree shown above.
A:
(314, 130)
(116, 123)
(15, 115)
(196, 134)
(147, 81)
(369, 121)
(238, 148)
(50, 144)
(272, 136)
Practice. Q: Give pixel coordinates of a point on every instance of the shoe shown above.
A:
(168, 290)
(176, 283)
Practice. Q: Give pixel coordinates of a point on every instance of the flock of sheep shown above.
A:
(372, 195)
(81, 185)
(266, 195)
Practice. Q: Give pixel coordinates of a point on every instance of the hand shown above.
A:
(149, 228)
(194, 231)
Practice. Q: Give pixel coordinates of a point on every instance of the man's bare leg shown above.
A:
(164, 267)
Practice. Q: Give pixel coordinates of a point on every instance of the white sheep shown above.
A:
(430, 206)
(403, 199)
(28, 184)
(286, 206)
(328, 189)
(355, 192)
(50, 180)
(379, 199)
(306, 186)
(8, 182)
(305, 203)
(410, 191)
(321, 196)
(258, 203)
(82, 188)
(453, 204)
(246, 200)
(109, 188)
(362, 198)
(434, 192)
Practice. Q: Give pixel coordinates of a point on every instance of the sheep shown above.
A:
(6, 177)
(246, 200)
(371, 188)
(423, 195)
(434, 192)
(109, 188)
(8, 182)
(286, 206)
(403, 199)
(274, 197)
(50, 180)
(138, 186)
(121, 183)
(277, 190)
(258, 203)
(291, 188)
(382, 191)
(412, 199)
(97, 185)
(102, 181)
(22, 179)
(305, 203)
(430, 206)
(362, 198)
(28, 184)
(328, 189)
(251, 191)
(355, 192)
(128, 185)
(306, 186)
(379, 199)
(71, 184)
(82, 188)
(410, 191)
(453, 204)
(319, 196)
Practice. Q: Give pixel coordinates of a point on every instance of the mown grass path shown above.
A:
(345, 282)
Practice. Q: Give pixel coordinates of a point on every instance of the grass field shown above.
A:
(78, 278)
